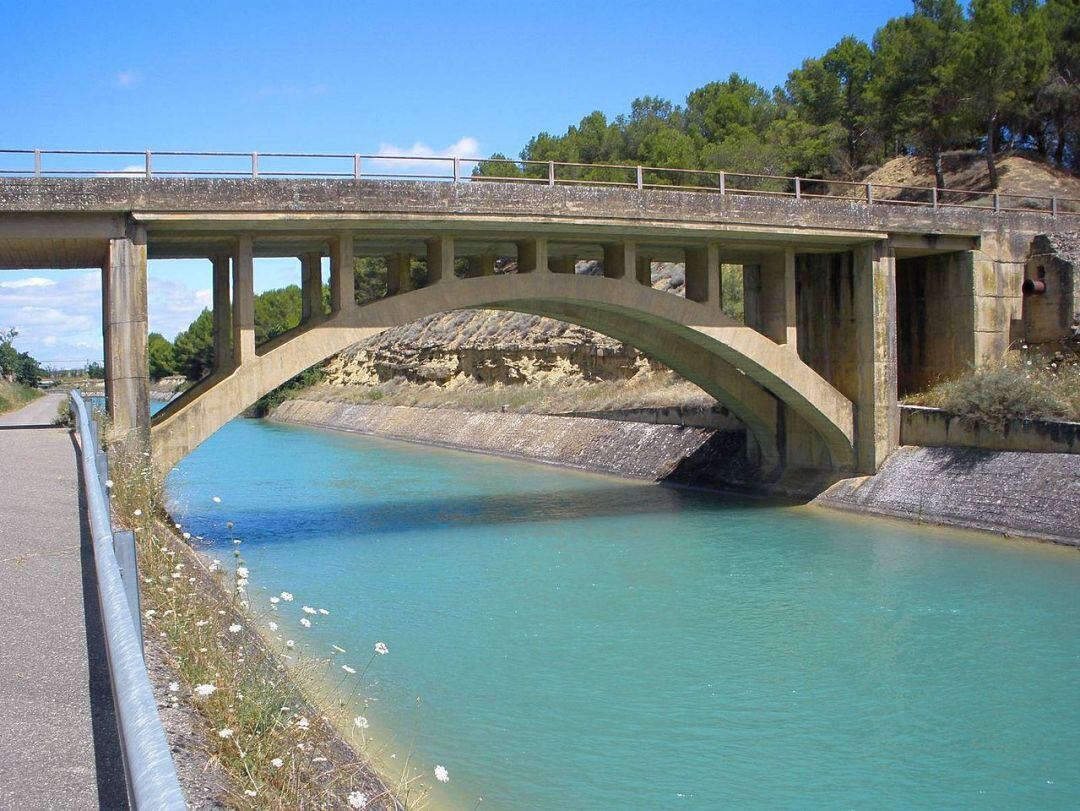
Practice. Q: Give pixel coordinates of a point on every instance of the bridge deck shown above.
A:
(58, 743)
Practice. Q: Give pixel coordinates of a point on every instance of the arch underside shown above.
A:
(750, 375)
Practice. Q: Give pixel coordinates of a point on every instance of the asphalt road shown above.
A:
(58, 742)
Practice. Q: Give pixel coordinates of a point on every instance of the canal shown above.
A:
(563, 640)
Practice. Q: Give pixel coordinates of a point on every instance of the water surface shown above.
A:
(578, 641)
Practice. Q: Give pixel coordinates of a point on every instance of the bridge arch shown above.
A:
(755, 378)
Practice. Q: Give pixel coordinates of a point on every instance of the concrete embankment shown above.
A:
(627, 449)
(1034, 495)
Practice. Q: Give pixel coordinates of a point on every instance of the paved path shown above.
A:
(58, 745)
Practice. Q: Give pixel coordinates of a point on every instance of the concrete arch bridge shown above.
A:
(846, 302)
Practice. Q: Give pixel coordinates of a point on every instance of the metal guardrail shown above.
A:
(356, 166)
(148, 765)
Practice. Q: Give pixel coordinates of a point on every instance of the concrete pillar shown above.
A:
(533, 255)
(398, 273)
(311, 287)
(777, 297)
(703, 275)
(222, 313)
(643, 270)
(877, 415)
(620, 260)
(440, 260)
(482, 265)
(127, 366)
(243, 309)
(342, 275)
(564, 264)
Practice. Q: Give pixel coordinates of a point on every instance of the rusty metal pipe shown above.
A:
(1032, 287)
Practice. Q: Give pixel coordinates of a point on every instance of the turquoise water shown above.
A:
(578, 641)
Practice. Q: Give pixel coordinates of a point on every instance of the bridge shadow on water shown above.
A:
(375, 518)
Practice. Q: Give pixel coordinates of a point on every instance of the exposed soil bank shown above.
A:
(630, 449)
(1033, 495)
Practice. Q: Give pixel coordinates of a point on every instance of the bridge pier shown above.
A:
(311, 287)
(124, 326)
(877, 411)
(243, 305)
(398, 273)
(620, 260)
(482, 265)
(222, 313)
(342, 278)
(702, 266)
(533, 255)
(440, 260)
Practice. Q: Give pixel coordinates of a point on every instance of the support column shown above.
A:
(311, 287)
(127, 366)
(703, 275)
(620, 260)
(222, 313)
(643, 271)
(877, 415)
(564, 264)
(398, 273)
(440, 260)
(243, 309)
(342, 275)
(777, 297)
(482, 265)
(533, 255)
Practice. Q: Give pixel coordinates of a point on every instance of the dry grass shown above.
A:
(15, 395)
(266, 710)
(1034, 384)
(653, 390)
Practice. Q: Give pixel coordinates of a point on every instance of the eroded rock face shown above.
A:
(495, 347)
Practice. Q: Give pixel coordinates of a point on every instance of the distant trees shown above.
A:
(162, 356)
(15, 365)
(1000, 73)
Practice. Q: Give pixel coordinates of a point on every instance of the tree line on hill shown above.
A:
(1003, 74)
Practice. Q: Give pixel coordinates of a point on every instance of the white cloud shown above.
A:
(32, 281)
(466, 148)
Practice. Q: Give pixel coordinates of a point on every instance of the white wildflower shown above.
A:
(324, 612)
(347, 669)
(174, 686)
(187, 536)
(251, 792)
(224, 733)
(201, 623)
(289, 643)
(204, 690)
(307, 609)
(277, 763)
(216, 499)
(275, 600)
(235, 628)
(272, 626)
(303, 723)
(109, 483)
(241, 571)
(357, 799)
(150, 613)
(305, 622)
(286, 596)
(381, 649)
(441, 774)
(361, 722)
(177, 526)
(137, 513)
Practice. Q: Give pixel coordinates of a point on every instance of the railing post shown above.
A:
(798, 188)
(997, 202)
(457, 169)
(149, 165)
(723, 183)
(1053, 207)
(37, 163)
(356, 166)
(124, 549)
(869, 193)
(640, 178)
(254, 164)
(551, 173)
(934, 196)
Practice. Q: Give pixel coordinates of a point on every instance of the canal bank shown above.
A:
(1028, 495)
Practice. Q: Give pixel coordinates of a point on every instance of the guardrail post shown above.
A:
(356, 166)
(37, 163)
(457, 169)
(723, 183)
(149, 165)
(254, 164)
(124, 549)
(551, 173)
(1053, 207)
(934, 197)
(869, 193)
(640, 178)
(798, 188)
(997, 202)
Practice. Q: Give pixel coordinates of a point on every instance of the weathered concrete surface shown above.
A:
(933, 427)
(1034, 495)
(58, 744)
(626, 449)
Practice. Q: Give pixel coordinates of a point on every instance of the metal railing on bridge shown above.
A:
(355, 166)
(148, 765)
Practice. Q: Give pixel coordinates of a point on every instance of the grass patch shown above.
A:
(266, 712)
(16, 395)
(1027, 385)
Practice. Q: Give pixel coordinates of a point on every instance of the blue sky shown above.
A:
(419, 77)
